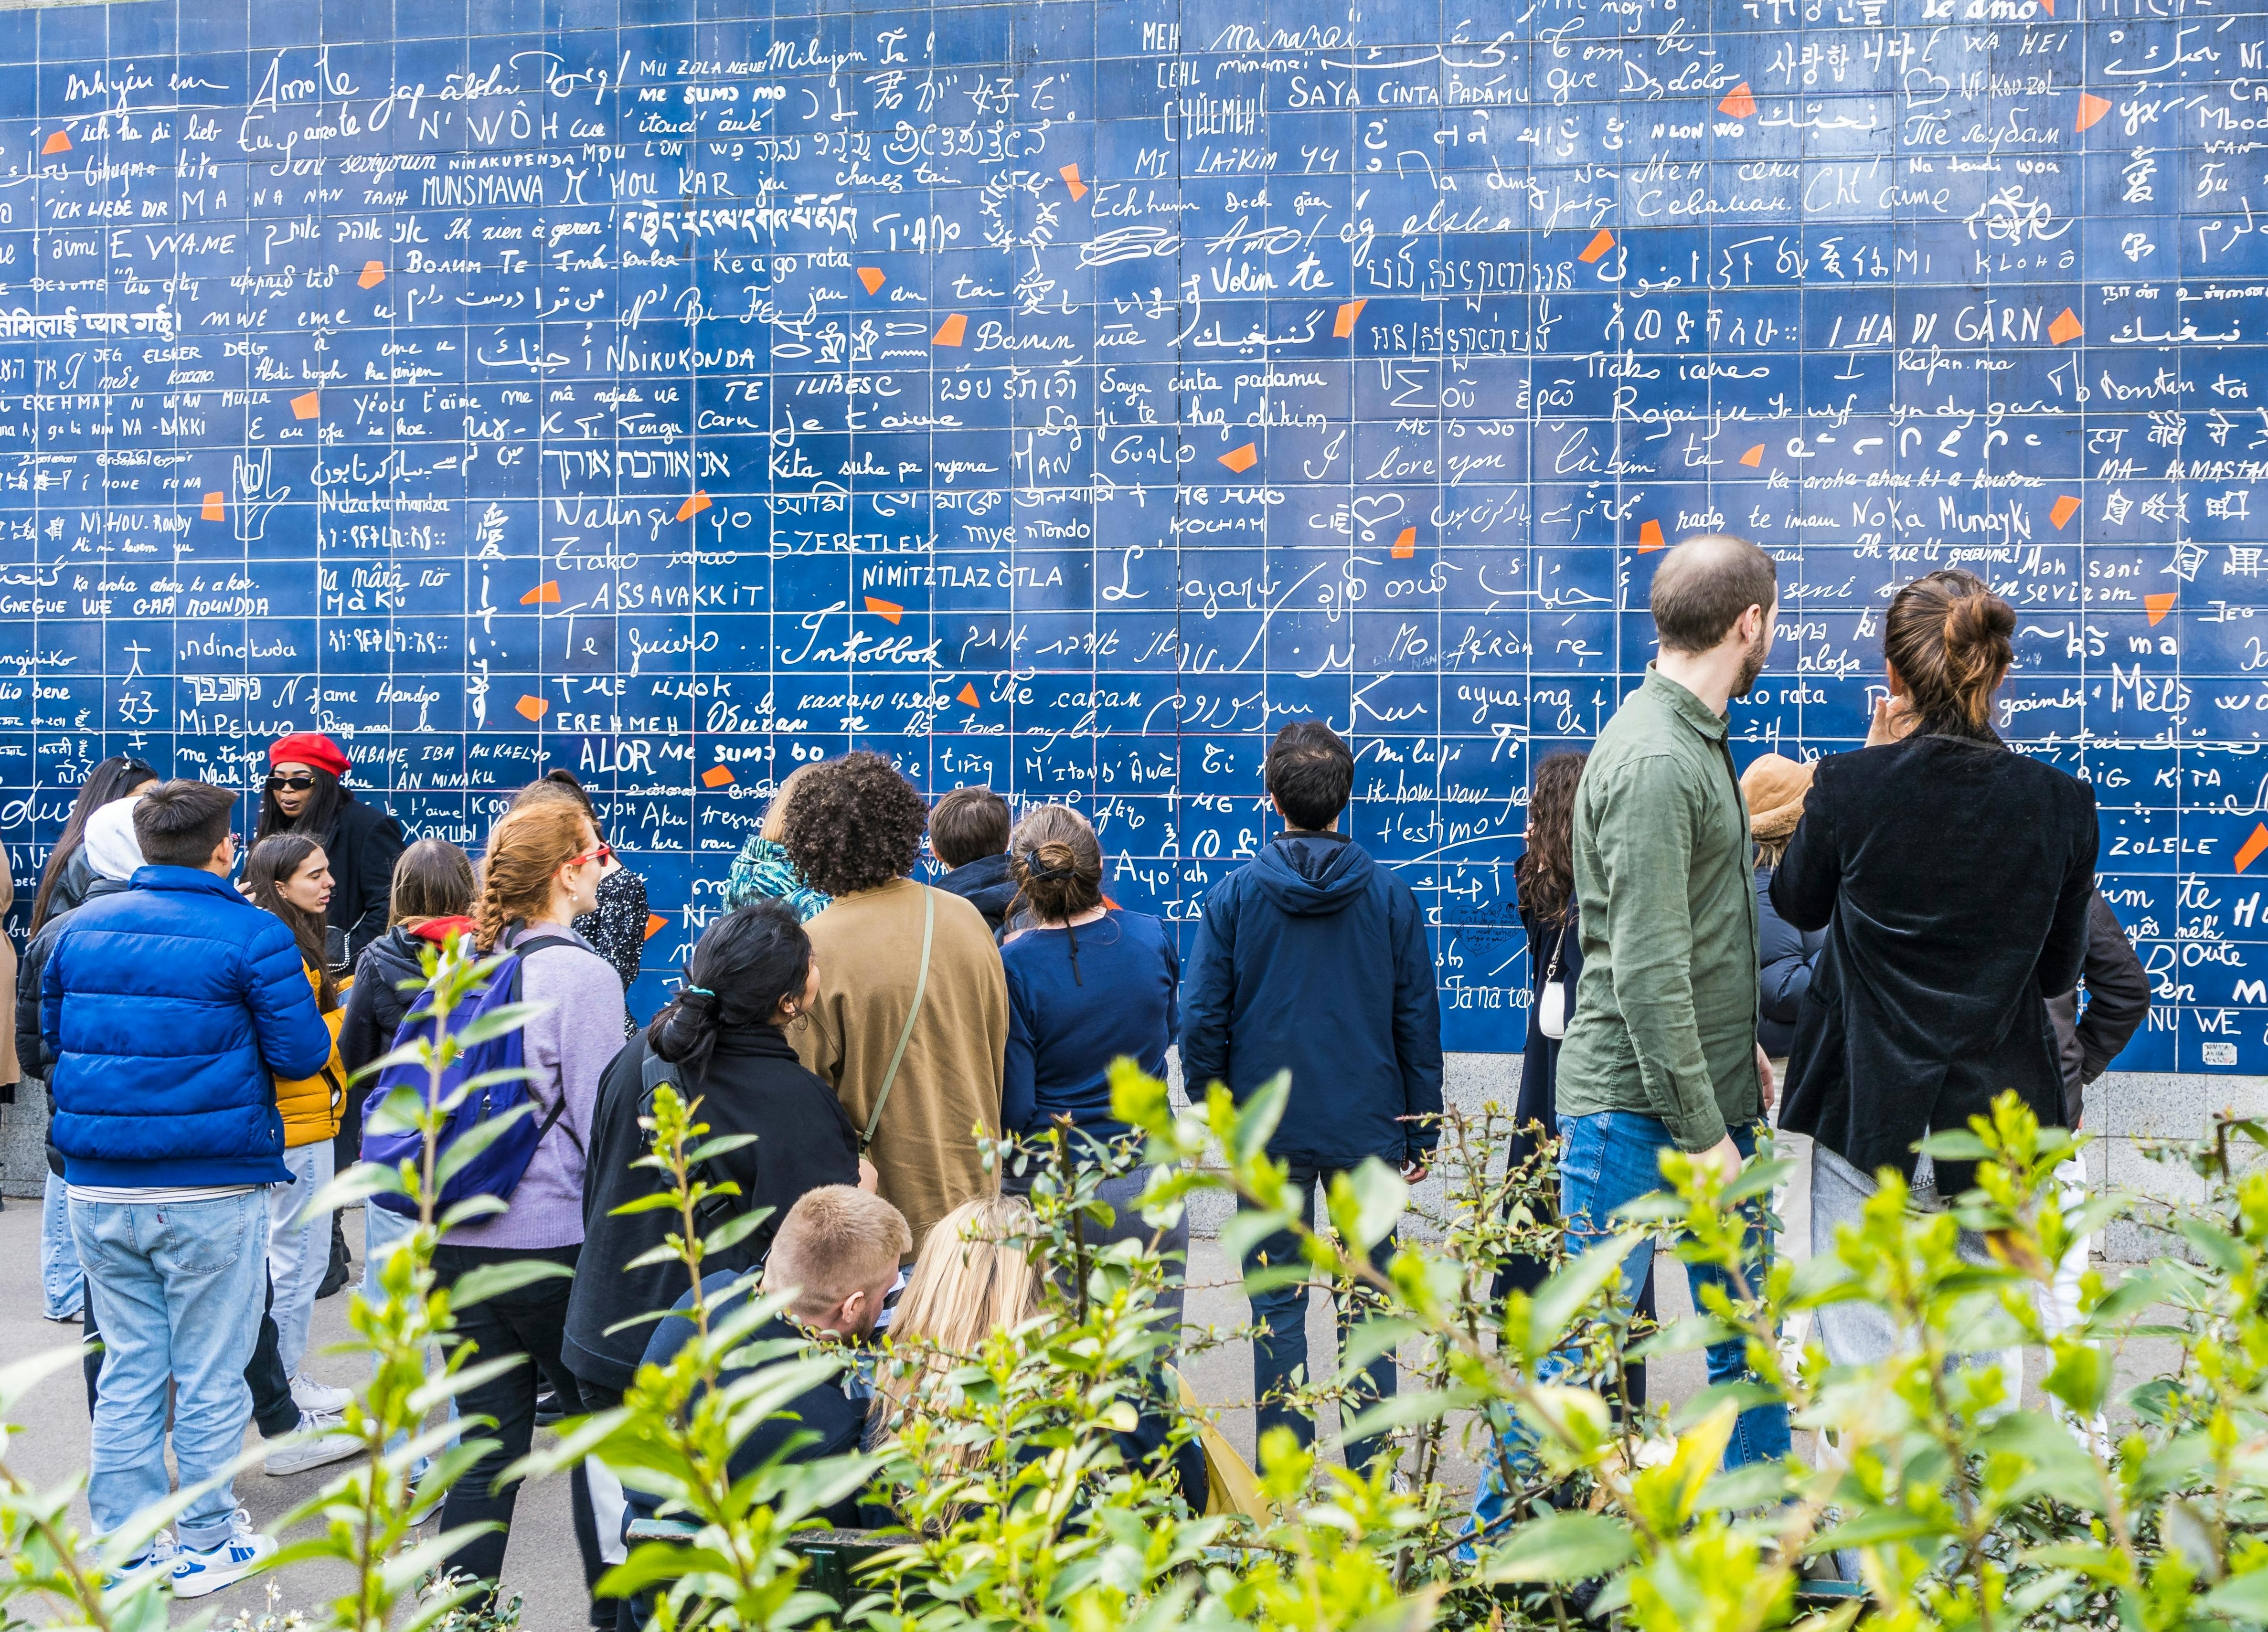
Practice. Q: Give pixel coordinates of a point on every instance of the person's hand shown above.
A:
(869, 1180)
(1764, 1079)
(1891, 722)
(1414, 1169)
(1725, 1157)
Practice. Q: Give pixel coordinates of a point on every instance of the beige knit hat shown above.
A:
(1774, 787)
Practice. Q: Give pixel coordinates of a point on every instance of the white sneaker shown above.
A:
(423, 1503)
(199, 1571)
(318, 1444)
(156, 1559)
(310, 1395)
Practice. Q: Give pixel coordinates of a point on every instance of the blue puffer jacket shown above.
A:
(169, 1009)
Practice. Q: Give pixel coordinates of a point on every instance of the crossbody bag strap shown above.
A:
(921, 985)
(1558, 946)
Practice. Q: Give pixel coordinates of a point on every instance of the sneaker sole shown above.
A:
(206, 1582)
(320, 1455)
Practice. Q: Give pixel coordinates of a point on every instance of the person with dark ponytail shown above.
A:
(303, 795)
(1953, 878)
(1087, 982)
(724, 1041)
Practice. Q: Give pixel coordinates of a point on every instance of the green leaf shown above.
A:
(1561, 1548)
(723, 1144)
(1258, 1116)
(1242, 1231)
(2080, 1376)
(1560, 1299)
(734, 1230)
(486, 1281)
(475, 1139)
(1380, 1197)
(660, 1201)
(2243, 1598)
(2214, 1245)
(1955, 1145)
(500, 1022)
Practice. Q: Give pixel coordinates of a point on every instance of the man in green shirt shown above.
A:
(1662, 1048)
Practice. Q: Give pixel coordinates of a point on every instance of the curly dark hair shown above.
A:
(1545, 871)
(856, 824)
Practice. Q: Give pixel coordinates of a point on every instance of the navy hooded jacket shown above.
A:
(1314, 958)
(169, 1009)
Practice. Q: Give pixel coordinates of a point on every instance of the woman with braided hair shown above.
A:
(541, 870)
(1953, 878)
(1087, 983)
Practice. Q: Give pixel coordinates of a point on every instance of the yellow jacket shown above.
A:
(311, 1105)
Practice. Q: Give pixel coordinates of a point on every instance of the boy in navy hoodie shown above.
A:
(1313, 958)
(169, 1009)
(969, 830)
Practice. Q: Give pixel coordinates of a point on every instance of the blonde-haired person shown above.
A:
(1773, 787)
(1087, 983)
(1953, 878)
(541, 870)
(979, 1273)
(762, 870)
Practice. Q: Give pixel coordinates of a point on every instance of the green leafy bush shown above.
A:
(1959, 1510)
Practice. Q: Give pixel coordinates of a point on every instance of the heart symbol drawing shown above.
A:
(1381, 510)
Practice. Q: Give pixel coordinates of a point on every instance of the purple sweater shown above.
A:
(569, 1046)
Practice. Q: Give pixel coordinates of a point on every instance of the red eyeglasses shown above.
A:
(605, 852)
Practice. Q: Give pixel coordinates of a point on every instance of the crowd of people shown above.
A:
(1894, 935)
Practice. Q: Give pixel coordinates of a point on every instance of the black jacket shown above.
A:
(72, 885)
(362, 846)
(988, 883)
(1314, 958)
(2118, 1001)
(753, 1085)
(1784, 957)
(1538, 1105)
(825, 1418)
(1953, 878)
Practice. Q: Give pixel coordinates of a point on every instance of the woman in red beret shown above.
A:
(363, 840)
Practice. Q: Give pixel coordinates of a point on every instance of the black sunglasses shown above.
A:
(298, 785)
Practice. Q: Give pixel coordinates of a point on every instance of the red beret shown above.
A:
(307, 747)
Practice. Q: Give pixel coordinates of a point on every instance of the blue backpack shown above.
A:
(497, 1170)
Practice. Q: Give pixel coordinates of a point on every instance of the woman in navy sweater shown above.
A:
(1087, 982)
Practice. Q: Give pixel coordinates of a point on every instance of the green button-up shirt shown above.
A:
(1666, 1011)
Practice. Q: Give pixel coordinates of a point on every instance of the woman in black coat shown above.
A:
(723, 1041)
(361, 840)
(1953, 880)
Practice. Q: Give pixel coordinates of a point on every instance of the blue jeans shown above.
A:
(1610, 1159)
(178, 1291)
(1283, 1349)
(61, 1287)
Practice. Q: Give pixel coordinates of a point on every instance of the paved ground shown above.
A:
(542, 1563)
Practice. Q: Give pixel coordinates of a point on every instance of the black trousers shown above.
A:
(273, 1409)
(528, 1320)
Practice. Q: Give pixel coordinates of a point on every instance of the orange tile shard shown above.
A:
(872, 277)
(2065, 328)
(1738, 103)
(881, 608)
(1242, 460)
(693, 506)
(2158, 606)
(1342, 326)
(2092, 110)
(215, 509)
(950, 331)
(655, 923)
(1600, 242)
(1754, 457)
(56, 143)
(966, 697)
(544, 594)
(716, 776)
(1070, 173)
(532, 707)
(1405, 544)
(1649, 537)
(2253, 846)
(373, 274)
(308, 406)
(2065, 507)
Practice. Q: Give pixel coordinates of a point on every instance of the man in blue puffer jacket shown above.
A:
(1315, 959)
(169, 1009)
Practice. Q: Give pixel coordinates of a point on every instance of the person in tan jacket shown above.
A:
(913, 1046)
